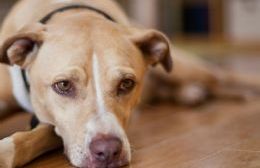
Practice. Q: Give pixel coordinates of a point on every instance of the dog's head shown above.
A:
(86, 76)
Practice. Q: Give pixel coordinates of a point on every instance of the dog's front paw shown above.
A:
(7, 152)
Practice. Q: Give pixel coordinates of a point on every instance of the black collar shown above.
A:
(75, 6)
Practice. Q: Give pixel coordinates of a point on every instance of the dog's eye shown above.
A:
(65, 88)
(126, 86)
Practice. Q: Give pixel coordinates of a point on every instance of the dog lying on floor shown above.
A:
(80, 67)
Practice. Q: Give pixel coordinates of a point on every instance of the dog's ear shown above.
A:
(21, 48)
(154, 45)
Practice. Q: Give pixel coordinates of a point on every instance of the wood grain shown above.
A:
(221, 134)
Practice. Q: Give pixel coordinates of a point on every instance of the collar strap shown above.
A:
(25, 80)
(71, 7)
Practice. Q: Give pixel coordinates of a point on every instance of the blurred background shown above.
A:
(217, 19)
(215, 29)
(224, 31)
(220, 19)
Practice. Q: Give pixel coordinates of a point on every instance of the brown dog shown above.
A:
(80, 67)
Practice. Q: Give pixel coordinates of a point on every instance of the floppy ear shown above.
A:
(155, 46)
(21, 48)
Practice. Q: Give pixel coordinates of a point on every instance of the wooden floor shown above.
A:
(221, 134)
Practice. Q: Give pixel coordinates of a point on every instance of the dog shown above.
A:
(80, 66)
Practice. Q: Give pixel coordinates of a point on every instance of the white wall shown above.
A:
(144, 12)
(242, 20)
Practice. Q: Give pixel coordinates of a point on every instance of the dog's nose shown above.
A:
(106, 150)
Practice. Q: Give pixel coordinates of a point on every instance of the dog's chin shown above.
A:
(80, 163)
(118, 164)
(90, 163)
(78, 160)
(76, 157)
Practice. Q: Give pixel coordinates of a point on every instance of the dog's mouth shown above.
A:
(122, 162)
(104, 151)
(92, 163)
(102, 143)
(102, 162)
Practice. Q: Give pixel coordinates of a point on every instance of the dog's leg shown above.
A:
(7, 101)
(193, 80)
(187, 84)
(21, 148)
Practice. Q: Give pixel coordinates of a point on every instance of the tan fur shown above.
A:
(23, 142)
(22, 147)
(6, 98)
(7, 153)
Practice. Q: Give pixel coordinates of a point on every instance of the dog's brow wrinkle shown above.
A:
(96, 77)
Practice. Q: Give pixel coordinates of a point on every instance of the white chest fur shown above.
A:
(19, 89)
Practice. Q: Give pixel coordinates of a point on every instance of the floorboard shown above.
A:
(221, 134)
